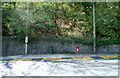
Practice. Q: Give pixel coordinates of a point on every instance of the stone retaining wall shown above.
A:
(46, 47)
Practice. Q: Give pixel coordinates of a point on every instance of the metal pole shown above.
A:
(94, 29)
(26, 46)
(1, 29)
(26, 37)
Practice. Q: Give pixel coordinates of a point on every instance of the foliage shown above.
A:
(107, 22)
(104, 42)
(62, 20)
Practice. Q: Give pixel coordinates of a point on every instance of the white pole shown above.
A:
(26, 37)
(26, 42)
(94, 29)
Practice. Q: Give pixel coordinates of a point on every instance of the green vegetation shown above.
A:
(62, 21)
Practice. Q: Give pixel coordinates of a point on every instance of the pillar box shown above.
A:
(77, 49)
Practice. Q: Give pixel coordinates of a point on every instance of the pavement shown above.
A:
(60, 65)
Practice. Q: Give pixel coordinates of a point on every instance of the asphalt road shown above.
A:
(77, 66)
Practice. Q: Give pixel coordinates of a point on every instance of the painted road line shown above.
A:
(58, 58)
(36, 59)
(97, 58)
(7, 59)
(114, 59)
(108, 57)
(23, 59)
(67, 58)
(46, 60)
(82, 58)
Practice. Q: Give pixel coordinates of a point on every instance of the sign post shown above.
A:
(26, 37)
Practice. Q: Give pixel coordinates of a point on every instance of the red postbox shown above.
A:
(77, 49)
